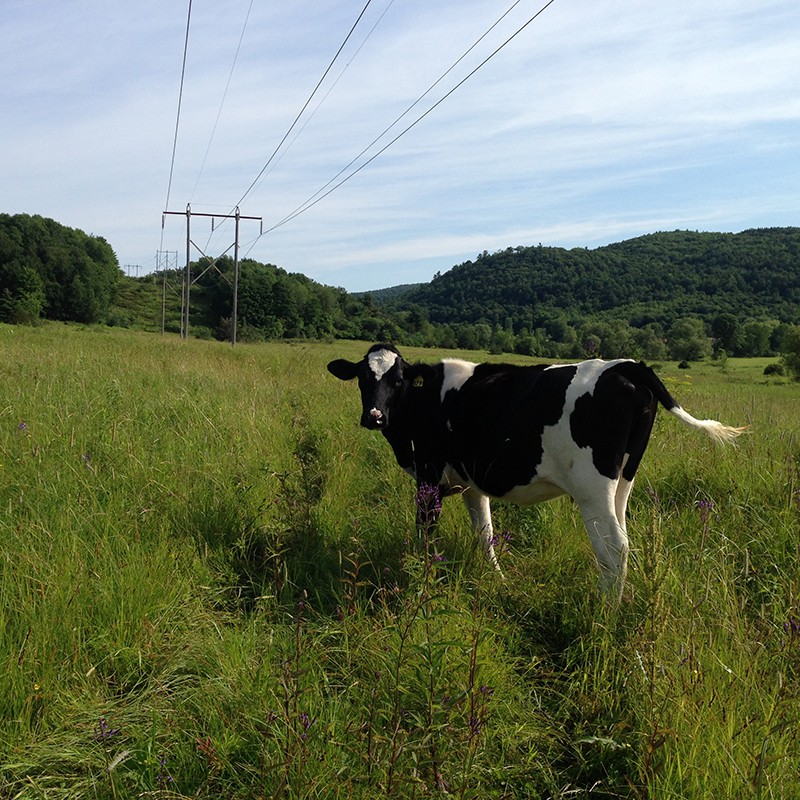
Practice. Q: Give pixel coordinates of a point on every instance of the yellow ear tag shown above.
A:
(418, 381)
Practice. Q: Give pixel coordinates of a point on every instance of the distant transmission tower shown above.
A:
(166, 262)
(187, 277)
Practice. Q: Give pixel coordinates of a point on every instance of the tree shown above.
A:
(22, 298)
(725, 329)
(648, 343)
(77, 274)
(687, 340)
(754, 338)
(790, 351)
(502, 342)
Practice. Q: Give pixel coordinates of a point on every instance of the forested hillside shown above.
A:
(657, 278)
(52, 271)
(680, 295)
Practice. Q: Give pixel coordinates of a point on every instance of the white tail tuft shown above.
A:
(722, 434)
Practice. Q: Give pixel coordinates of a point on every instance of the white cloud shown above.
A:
(597, 122)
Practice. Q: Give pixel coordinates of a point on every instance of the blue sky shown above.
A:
(598, 122)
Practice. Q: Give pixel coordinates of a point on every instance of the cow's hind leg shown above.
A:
(608, 537)
(480, 512)
(623, 493)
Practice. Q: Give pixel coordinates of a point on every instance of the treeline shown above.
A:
(679, 295)
(676, 294)
(272, 304)
(463, 309)
(52, 271)
(656, 278)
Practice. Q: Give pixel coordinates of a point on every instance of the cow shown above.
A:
(524, 434)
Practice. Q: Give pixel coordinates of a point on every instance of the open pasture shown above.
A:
(210, 586)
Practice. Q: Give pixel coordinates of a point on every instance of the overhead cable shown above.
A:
(224, 96)
(311, 200)
(339, 77)
(310, 116)
(305, 105)
(317, 197)
(180, 100)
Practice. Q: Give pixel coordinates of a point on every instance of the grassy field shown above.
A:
(211, 587)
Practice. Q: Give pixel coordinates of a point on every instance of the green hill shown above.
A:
(671, 293)
(657, 278)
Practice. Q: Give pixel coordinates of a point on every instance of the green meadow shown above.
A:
(211, 586)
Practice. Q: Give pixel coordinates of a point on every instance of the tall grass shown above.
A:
(210, 585)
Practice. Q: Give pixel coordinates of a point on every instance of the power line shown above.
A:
(317, 197)
(308, 203)
(178, 115)
(320, 103)
(222, 102)
(333, 184)
(305, 105)
(341, 74)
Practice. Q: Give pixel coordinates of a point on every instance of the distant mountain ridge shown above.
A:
(655, 278)
(390, 293)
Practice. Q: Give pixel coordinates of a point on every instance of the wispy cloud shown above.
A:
(599, 121)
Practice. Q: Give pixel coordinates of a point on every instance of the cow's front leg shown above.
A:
(480, 512)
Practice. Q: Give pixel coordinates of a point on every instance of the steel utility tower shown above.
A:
(166, 261)
(187, 277)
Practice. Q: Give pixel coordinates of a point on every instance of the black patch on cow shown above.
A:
(615, 419)
(496, 419)
(415, 429)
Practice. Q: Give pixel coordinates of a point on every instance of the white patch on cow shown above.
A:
(456, 374)
(585, 377)
(381, 361)
(564, 464)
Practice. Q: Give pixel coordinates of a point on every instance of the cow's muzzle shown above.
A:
(374, 418)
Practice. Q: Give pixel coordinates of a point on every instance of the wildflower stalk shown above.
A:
(476, 710)
(395, 746)
(104, 734)
(371, 726)
(429, 506)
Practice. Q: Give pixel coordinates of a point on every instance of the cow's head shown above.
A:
(382, 376)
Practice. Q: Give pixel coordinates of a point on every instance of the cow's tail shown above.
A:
(720, 433)
(723, 434)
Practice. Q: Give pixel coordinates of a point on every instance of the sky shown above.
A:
(597, 121)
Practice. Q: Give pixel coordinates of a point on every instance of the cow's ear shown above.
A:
(343, 369)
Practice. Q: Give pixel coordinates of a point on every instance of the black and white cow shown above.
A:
(522, 433)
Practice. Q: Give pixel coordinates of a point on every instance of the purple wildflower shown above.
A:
(429, 497)
(104, 733)
(429, 503)
(163, 779)
(501, 541)
(705, 507)
(475, 725)
(305, 723)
